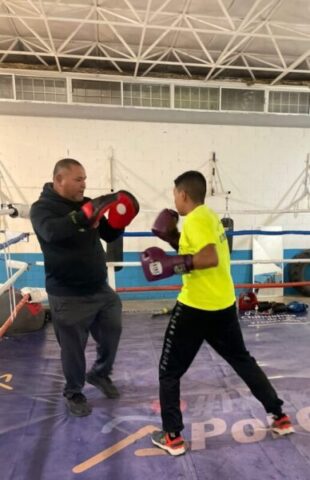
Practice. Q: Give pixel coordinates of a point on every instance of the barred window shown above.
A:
(146, 95)
(6, 86)
(289, 102)
(96, 92)
(40, 89)
(201, 98)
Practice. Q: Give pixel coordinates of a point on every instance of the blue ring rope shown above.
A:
(14, 240)
(232, 233)
(266, 232)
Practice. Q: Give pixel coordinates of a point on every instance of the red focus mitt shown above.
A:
(121, 206)
(123, 210)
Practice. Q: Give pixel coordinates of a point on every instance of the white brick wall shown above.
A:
(258, 164)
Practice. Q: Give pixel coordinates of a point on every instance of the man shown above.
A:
(205, 308)
(69, 227)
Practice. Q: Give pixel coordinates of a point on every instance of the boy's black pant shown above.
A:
(187, 329)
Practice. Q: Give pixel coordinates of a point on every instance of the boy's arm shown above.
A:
(206, 258)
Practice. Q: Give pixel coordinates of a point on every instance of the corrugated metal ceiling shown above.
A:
(253, 40)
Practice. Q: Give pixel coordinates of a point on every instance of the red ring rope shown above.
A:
(167, 288)
(10, 319)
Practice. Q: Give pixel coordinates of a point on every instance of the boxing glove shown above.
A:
(165, 227)
(156, 264)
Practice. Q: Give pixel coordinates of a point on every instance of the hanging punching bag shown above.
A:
(228, 225)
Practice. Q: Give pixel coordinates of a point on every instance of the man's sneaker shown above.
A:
(282, 426)
(78, 405)
(174, 447)
(104, 384)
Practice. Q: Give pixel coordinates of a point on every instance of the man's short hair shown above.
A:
(194, 184)
(65, 163)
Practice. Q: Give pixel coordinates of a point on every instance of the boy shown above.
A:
(205, 308)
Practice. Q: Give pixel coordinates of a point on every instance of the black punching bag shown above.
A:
(228, 225)
(115, 251)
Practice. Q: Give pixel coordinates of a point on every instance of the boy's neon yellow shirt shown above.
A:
(208, 288)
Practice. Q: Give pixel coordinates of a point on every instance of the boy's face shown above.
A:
(180, 200)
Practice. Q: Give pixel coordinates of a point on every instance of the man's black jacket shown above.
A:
(75, 261)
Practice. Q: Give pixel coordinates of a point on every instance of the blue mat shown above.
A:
(225, 426)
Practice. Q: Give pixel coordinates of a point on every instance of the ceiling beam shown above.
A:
(292, 67)
(117, 34)
(147, 13)
(274, 4)
(182, 64)
(199, 41)
(8, 50)
(25, 24)
(218, 30)
(76, 30)
(276, 46)
(233, 38)
(166, 63)
(248, 67)
(226, 14)
(50, 36)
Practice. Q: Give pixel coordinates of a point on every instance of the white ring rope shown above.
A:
(11, 278)
(22, 211)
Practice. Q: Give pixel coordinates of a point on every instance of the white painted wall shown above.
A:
(258, 164)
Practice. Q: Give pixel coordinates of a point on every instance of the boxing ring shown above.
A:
(225, 426)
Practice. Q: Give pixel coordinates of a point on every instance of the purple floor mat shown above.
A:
(225, 426)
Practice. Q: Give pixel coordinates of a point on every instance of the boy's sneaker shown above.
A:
(78, 405)
(104, 384)
(282, 426)
(174, 447)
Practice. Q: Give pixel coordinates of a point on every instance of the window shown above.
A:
(243, 100)
(41, 89)
(201, 98)
(289, 102)
(146, 95)
(6, 86)
(90, 91)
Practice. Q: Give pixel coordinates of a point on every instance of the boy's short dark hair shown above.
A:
(65, 163)
(194, 184)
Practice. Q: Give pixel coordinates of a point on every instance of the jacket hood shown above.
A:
(48, 193)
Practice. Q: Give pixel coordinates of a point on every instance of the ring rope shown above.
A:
(9, 284)
(13, 240)
(237, 286)
(6, 325)
(232, 233)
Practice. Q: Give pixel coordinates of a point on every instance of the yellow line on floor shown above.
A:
(108, 452)
(7, 378)
(149, 452)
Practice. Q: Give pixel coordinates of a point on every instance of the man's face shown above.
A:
(70, 183)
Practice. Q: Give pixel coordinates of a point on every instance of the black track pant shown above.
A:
(187, 329)
(74, 318)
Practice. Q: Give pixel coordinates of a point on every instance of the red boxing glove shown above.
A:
(157, 264)
(165, 227)
(123, 210)
(95, 209)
